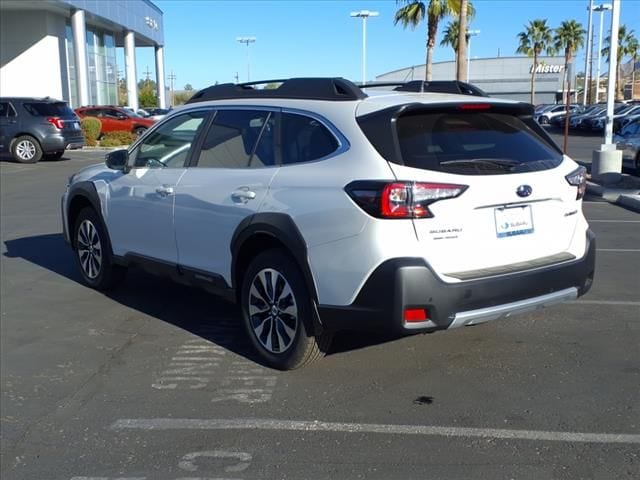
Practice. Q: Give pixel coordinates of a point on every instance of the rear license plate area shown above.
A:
(512, 221)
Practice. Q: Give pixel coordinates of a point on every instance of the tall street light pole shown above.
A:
(587, 73)
(470, 33)
(601, 9)
(247, 41)
(364, 14)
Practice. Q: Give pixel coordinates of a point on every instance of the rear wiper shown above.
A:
(491, 161)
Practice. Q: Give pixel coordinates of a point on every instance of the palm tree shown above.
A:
(450, 35)
(626, 42)
(536, 38)
(463, 14)
(569, 36)
(414, 11)
(633, 49)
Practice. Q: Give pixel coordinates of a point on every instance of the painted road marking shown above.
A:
(614, 221)
(198, 364)
(617, 249)
(606, 302)
(317, 426)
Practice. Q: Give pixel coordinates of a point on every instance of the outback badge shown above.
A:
(524, 190)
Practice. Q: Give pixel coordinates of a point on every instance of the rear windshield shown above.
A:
(473, 143)
(48, 109)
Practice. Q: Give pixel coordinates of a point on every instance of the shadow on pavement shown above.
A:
(188, 308)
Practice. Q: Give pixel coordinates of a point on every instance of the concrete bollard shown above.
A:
(606, 165)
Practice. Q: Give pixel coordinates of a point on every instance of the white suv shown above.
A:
(319, 207)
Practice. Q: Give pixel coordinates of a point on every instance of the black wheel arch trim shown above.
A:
(282, 228)
(86, 190)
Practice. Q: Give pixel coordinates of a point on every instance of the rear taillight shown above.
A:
(400, 199)
(578, 178)
(56, 122)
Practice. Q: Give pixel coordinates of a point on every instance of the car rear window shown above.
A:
(48, 109)
(473, 143)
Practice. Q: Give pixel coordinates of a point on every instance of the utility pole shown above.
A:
(247, 41)
(601, 9)
(147, 74)
(587, 72)
(364, 14)
(172, 78)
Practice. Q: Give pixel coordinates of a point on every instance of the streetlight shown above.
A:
(364, 14)
(601, 9)
(470, 33)
(247, 41)
(587, 64)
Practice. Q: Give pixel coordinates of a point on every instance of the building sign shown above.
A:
(545, 68)
(151, 23)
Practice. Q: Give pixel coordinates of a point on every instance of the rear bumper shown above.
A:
(59, 142)
(402, 283)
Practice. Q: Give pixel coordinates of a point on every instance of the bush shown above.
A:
(117, 139)
(91, 130)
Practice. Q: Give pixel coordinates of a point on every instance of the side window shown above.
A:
(169, 144)
(305, 139)
(12, 111)
(239, 139)
(4, 109)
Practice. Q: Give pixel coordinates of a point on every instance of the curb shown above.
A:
(625, 198)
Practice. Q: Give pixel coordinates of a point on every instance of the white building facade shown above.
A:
(66, 49)
(503, 77)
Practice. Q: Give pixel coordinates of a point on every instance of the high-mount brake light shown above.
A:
(578, 178)
(56, 122)
(474, 106)
(401, 199)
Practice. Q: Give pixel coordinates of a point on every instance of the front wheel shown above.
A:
(93, 253)
(139, 131)
(277, 312)
(544, 120)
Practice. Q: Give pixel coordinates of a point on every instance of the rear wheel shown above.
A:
(26, 149)
(277, 312)
(544, 120)
(93, 252)
(139, 130)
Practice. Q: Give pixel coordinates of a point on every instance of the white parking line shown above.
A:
(607, 302)
(617, 249)
(614, 221)
(317, 426)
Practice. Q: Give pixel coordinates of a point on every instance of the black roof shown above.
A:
(320, 88)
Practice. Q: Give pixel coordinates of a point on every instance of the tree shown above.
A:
(569, 36)
(461, 73)
(450, 36)
(144, 83)
(633, 49)
(147, 96)
(188, 87)
(413, 12)
(535, 38)
(626, 44)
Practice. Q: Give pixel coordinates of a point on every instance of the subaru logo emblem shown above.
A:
(524, 190)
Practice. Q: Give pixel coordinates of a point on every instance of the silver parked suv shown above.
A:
(320, 206)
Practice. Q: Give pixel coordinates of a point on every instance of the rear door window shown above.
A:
(239, 139)
(48, 109)
(473, 143)
(305, 139)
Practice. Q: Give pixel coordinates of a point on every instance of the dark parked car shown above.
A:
(116, 119)
(32, 128)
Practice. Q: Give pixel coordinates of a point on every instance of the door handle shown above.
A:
(243, 194)
(164, 190)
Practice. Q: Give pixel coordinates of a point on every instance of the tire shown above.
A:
(139, 130)
(93, 252)
(291, 343)
(26, 149)
(544, 120)
(53, 156)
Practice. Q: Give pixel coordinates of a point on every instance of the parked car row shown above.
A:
(592, 118)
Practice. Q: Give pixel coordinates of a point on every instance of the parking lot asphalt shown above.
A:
(156, 381)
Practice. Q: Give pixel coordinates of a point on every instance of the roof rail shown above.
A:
(311, 88)
(437, 86)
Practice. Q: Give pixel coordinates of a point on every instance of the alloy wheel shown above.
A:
(89, 249)
(273, 311)
(25, 150)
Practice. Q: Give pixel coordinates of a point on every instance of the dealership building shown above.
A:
(66, 49)
(503, 77)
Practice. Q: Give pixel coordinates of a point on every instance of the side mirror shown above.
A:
(117, 160)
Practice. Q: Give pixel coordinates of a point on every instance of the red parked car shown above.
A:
(116, 119)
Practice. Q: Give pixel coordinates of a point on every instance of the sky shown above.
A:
(319, 38)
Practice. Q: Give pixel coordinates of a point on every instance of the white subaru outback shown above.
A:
(320, 206)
